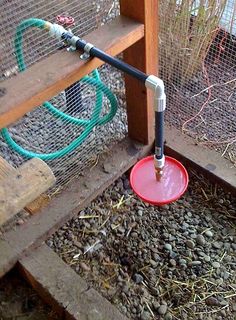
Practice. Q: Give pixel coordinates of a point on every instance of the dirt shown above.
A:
(18, 301)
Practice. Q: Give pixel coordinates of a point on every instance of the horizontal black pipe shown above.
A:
(119, 64)
(159, 134)
(137, 74)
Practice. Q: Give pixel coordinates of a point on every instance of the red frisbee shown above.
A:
(169, 188)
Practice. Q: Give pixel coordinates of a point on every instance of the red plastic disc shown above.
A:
(169, 188)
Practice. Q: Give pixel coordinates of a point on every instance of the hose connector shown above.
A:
(159, 166)
(55, 30)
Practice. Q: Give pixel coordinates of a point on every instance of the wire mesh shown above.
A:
(198, 65)
(40, 131)
(88, 15)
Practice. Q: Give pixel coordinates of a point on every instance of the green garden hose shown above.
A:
(88, 125)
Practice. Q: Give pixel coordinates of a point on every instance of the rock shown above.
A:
(200, 240)
(182, 261)
(195, 263)
(140, 213)
(84, 266)
(107, 167)
(154, 291)
(162, 309)
(172, 262)
(226, 275)
(223, 313)
(213, 302)
(168, 316)
(138, 278)
(20, 222)
(134, 235)
(233, 245)
(190, 244)
(153, 263)
(207, 258)
(173, 254)
(209, 234)
(227, 246)
(145, 316)
(126, 184)
(123, 309)
(156, 257)
(217, 245)
(215, 264)
(223, 302)
(155, 305)
(168, 247)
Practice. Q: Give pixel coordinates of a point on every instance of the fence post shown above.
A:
(144, 56)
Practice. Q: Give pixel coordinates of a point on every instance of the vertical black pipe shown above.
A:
(159, 134)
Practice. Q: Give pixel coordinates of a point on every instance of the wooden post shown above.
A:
(144, 56)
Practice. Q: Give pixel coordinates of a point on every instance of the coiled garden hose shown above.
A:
(88, 125)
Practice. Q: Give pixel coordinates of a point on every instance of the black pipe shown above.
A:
(95, 52)
(159, 134)
(137, 74)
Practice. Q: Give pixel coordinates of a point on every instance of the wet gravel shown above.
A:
(173, 262)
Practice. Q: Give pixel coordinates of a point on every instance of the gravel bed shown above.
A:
(173, 262)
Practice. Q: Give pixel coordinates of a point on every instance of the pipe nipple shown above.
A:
(159, 167)
(159, 173)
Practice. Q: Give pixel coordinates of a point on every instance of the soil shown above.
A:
(18, 301)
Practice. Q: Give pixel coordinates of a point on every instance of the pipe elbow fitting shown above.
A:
(157, 86)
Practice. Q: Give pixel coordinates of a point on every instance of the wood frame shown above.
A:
(68, 294)
(144, 56)
(50, 76)
(16, 246)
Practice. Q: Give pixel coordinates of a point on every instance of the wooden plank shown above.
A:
(58, 71)
(61, 287)
(22, 186)
(74, 198)
(206, 161)
(5, 171)
(144, 56)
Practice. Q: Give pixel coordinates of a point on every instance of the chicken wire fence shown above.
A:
(88, 15)
(198, 65)
(41, 131)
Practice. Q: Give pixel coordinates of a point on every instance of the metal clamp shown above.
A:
(86, 54)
